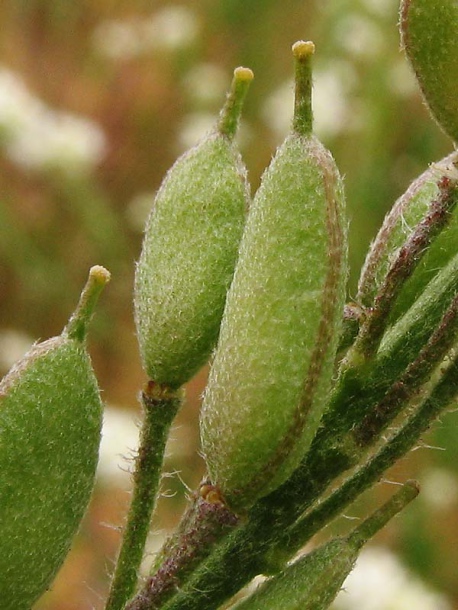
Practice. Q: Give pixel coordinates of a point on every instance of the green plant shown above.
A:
(297, 417)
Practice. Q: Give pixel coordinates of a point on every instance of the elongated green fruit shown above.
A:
(273, 364)
(190, 248)
(421, 203)
(429, 31)
(312, 582)
(50, 420)
(404, 340)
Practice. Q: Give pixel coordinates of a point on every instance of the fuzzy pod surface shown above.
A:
(311, 583)
(273, 364)
(50, 422)
(189, 250)
(399, 225)
(429, 32)
(403, 341)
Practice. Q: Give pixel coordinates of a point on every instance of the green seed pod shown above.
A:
(273, 364)
(429, 31)
(189, 250)
(50, 420)
(311, 583)
(438, 182)
(403, 341)
(314, 580)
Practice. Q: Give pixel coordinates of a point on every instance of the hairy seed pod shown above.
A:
(273, 364)
(429, 31)
(190, 248)
(438, 181)
(50, 421)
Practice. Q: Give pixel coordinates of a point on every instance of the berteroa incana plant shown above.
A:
(309, 400)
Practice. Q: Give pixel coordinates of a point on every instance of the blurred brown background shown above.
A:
(97, 99)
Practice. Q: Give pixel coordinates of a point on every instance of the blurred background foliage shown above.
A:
(97, 99)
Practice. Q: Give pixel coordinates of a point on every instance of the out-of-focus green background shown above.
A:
(97, 99)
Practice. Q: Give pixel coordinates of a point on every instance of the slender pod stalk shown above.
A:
(160, 405)
(368, 397)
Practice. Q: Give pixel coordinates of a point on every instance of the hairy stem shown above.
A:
(160, 407)
(206, 520)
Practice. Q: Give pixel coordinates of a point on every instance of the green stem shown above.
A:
(160, 406)
(353, 317)
(409, 383)
(368, 396)
(243, 555)
(78, 323)
(303, 116)
(313, 581)
(375, 522)
(207, 519)
(231, 111)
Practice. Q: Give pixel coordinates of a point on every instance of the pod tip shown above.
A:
(414, 487)
(98, 277)
(99, 274)
(303, 49)
(243, 74)
(230, 113)
(303, 116)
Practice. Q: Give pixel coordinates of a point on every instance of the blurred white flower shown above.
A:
(17, 105)
(35, 136)
(206, 83)
(120, 439)
(380, 582)
(360, 36)
(119, 443)
(193, 128)
(277, 110)
(439, 488)
(13, 345)
(118, 39)
(58, 140)
(381, 7)
(401, 80)
(170, 28)
(334, 111)
(138, 209)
